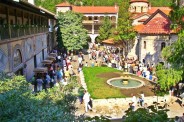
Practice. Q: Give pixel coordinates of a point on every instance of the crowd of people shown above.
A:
(58, 72)
(61, 69)
(112, 57)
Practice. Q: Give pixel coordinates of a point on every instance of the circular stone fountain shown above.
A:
(125, 82)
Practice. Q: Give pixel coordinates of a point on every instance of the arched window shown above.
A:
(162, 45)
(17, 58)
(144, 44)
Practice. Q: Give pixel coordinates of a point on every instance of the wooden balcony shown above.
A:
(14, 31)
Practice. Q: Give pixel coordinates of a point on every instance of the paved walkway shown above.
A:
(115, 108)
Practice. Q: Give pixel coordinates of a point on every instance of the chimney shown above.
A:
(31, 1)
(149, 6)
(115, 5)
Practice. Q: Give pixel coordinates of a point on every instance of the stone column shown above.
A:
(93, 26)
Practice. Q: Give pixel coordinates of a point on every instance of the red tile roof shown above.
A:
(138, 28)
(90, 9)
(166, 10)
(95, 9)
(63, 4)
(131, 1)
(158, 23)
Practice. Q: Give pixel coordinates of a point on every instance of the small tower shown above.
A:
(139, 6)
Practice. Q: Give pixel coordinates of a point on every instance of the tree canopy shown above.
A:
(124, 31)
(104, 30)
(167, 77)
(18, 104)
(144, 115)
(74, 35)
(173, 54)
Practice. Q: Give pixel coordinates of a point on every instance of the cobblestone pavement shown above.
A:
(115, 108)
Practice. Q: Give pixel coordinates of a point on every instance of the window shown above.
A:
(162, 45)
(17, 58)
(144, 44)
(90, 18)
(95, 18)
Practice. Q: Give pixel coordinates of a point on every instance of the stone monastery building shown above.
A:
(152, 25)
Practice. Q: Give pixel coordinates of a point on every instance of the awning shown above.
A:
(51, 58)
(47, 61)
(53, 54)
(40, 70)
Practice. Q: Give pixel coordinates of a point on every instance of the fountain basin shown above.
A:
(125, 83)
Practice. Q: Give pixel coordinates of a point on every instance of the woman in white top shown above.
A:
(86, 99)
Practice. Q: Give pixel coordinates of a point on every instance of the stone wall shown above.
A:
(29, 47)
(4, 65)
(152, 52)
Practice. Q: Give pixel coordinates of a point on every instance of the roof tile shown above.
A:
(95, 9)
(90, 9)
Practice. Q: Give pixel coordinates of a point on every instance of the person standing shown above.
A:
(86, 99)
(134, 102)
(33, 82)
(81, 94)
(141, 99)
(39, 83)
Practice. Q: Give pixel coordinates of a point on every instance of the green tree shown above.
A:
(176, 15)
(59, 38)
(173, 54)
(105, 30)
(143, 115)
(18, 104)
(167, 77)
(74, 35)
(124, 31)
(48, 4)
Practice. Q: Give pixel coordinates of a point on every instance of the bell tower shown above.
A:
(138, 6)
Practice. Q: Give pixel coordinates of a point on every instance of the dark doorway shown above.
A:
(35, 64)
(19, 72)
(43, 54)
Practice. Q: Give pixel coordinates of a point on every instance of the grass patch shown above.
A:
(97, 86)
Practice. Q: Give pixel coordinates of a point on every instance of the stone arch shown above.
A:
(17, 58)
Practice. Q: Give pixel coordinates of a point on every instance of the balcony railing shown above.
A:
(14, 31)
(85, 22)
